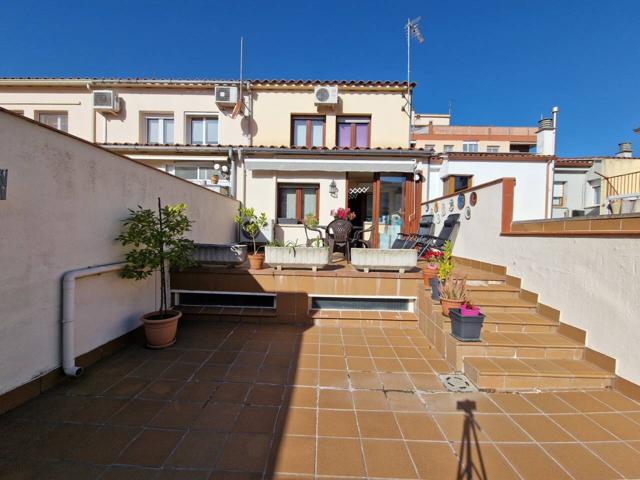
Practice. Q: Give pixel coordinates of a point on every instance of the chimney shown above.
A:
(624, 150)
(546, 134)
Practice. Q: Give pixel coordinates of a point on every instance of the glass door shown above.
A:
(391, 212)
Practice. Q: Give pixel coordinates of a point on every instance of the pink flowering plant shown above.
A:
(343, 214)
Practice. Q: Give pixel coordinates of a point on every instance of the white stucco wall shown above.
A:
(591, 281)
(64, 207)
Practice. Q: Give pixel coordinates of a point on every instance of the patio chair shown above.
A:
(338, 237)
(357, 239)
(314, 240)
(409, 240)
(432, 242)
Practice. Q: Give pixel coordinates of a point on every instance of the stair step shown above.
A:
(498, 291)
(527, 374)
(490, 304)
(503, 322)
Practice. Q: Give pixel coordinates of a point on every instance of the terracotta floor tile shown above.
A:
(104, 446)
(211, 373)
(434, 461)
(255, 419)
(448, 402)
(198, 449)
(294, 455)
(363, 364)
(298, 421)
(337, 423)
(98, 410)
(222, 358)
(378, 425)
(542, 429)
(274, 375)
(217, 416)
(356, 350)
(303, 377)
(129, 473)
(388, 459)
(617, 424)
(419, 426)
(406, 351)
(337, 350)
(620, 456)
(579, 461)
(581, 427)
(382, 351)
(388, 365)
(500, 428)
(440, 366)
(426, 382)
(532, 462)
(583, 402)
(197, 391)
(308, 361)
(365, 380)
(265, 395)
(179, 474)
(615, 400)
(180, 371)
(335, 399)
(395, 381)
(177, 415)
(513, 403)
(340, 456)
(127, 387)
(548, 403)
(245, 452)
(150, 448)
(137, 413)
(405, 402)
(370, 400)
(231, 392)
(301, 397)
(328, 362)
(452, 425)
(333, 379)
(242, 373)
(495, 464)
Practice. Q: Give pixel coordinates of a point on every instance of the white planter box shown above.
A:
(216, 254)
(384, 259)
(297, 257)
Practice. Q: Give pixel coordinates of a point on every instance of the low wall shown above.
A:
(65, 202)
(588, 271)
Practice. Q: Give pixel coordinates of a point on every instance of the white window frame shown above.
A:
(496, 148)
(448, 148)
(466, 145)
(59, 113)
(197, 115)
(595, 186)
(560, 197)
(200, 179)
(162, 119)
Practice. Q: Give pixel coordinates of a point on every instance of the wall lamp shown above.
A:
(333, 189)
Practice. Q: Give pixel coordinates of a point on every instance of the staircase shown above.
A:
(523, 345)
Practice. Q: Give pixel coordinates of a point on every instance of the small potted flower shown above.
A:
(251, 224)
(466, 322)
(343, 214)
(431, 269)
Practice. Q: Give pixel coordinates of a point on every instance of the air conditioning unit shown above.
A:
(325, 95)
(226, 95)
(106, 101)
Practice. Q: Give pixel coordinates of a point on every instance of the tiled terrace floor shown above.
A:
(244, 402)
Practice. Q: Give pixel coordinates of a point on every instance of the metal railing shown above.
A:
(623, 184)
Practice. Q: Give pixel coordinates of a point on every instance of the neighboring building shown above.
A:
(434, 131)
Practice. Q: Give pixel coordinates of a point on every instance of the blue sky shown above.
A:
(501, 62)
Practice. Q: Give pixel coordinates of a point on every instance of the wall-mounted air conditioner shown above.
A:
(226, 95)
(106, 101)
(325, 95)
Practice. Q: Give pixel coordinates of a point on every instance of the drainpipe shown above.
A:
(68, 312)
(250, 114)
(547, 213)
(232, 173)
(244, 176)
(93, 117)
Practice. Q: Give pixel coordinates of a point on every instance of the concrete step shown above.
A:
(511, 322)
(492, 373)
(549, 346)
(494, 290)
(489, 303)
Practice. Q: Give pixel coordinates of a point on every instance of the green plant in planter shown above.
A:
(158, 239)
(450, 288)
(311, 221)
(251, 223)
(445, 263)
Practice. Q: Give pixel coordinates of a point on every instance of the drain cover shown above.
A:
(457, 382)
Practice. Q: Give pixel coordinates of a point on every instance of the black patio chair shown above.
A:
(338, 237)
(314, 240)
(357, 237)
(409, 240)
(431, 242)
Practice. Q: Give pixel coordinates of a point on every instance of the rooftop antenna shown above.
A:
(450, 108)
(412, 30)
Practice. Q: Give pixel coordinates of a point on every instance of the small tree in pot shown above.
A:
(453, 291)
(158, 241)
(251, 224)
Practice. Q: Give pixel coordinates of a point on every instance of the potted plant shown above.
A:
(431, 268)
(343, 214)
(158, 241)
(215, 178)
(311, 221)
(293, 255)
(251, 224)
(466, 322)
(452, 291)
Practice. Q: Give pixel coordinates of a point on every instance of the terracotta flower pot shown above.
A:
(427, 273)
(161, 331)
(256, 260)
(215, 179)
(447, 304)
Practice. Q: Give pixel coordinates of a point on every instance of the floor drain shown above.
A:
(457, 382)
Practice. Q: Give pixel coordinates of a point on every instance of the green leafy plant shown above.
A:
(251, 223)
(445, 263)
(291, 245)
(158, 239)
(453, 289)
(311, 221)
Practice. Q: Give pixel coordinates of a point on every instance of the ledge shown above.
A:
(609, 226)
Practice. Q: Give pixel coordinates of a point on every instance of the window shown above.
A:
(204, 130)
(493, 148)
(297, 201)
(307, 131)
(470, 147)
(558, 194)
(193, 172)
(428, 148)
(455, 183)
(159, 130)
(55, 119)
(447, 148)
(595, 189)
(353, 132)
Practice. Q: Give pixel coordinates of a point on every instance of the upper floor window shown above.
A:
(447, 148)
(493, 148)
(57, 120)
(595, 189)
(204, 130)
(307, 131)
(354, 132)
(470, 147)
(159, 130)
(455, 183)
(429, 148)
(558, 194)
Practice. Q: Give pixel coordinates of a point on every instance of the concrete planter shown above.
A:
(220, 254)
(297, 257)
(384, 259)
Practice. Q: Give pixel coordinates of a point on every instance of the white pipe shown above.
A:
(68, 312)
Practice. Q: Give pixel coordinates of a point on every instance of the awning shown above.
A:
(330, 165)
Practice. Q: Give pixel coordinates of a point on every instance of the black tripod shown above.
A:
(467, 470)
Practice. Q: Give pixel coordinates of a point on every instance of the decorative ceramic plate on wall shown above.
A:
(460, 201)
(467, 213)
(437, 218)
(473, 199)
(435, 207)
